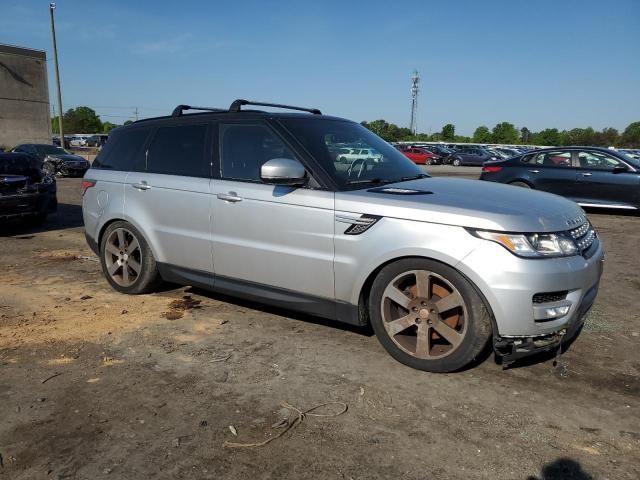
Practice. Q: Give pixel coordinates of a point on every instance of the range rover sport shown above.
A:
(255, 204)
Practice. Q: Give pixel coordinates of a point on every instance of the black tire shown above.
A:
(148, 279)
(520, 184)
(477, 322)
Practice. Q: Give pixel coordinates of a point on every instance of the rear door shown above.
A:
(170, 199)
(265, 237)
(599, 182)
(552, 171)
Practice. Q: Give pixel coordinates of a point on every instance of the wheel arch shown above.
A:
(521, 180)
(365, 289)
(105, 225)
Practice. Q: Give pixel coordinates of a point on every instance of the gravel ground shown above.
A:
(94, 384)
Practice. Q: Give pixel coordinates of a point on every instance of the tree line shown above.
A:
(506, 133)
(82, 120)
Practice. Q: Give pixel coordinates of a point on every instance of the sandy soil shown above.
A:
(147, 390)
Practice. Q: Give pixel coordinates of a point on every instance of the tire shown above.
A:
(520, 184)
(343, 160)
(465, 319)
(456, 162)
(122, 237)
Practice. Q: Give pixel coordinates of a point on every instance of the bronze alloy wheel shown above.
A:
(123, 257)
(424, 314)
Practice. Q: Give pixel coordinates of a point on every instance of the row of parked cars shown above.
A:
(79, 141)
(456, 155)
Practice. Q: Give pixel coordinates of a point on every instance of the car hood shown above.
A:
(466, 203)
(67, 157)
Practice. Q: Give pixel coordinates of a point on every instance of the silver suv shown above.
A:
(258, 205)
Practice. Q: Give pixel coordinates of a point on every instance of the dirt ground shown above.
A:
(94, 384)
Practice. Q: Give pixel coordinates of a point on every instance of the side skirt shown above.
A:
(260, 293)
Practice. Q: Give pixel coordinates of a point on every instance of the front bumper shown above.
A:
(509, 283)
(20, 205)
(70, 171)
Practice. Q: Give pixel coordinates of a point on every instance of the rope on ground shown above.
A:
(300, 415)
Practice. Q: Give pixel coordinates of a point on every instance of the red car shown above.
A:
(419, 156)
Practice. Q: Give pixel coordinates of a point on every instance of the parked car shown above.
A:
(26, 192)
(472, 156)
(348, 155)
(420, 156)
(438, 266)
(96, 140)
(443, 152)
(590, 176)
(56, 141)
(55, 160)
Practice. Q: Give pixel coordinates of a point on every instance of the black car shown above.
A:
(55, 160)
(26, 192)
(591, 176)
(97, 140)
(472, 156)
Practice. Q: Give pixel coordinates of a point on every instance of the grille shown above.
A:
(548, 297)
(584, 236)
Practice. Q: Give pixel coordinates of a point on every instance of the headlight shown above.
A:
(532, 244)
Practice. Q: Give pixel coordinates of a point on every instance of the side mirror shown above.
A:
(283, 171)
(620, 169)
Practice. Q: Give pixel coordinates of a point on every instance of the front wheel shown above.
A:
(456, 162)
(428, 316)
(127, 261)
(520, 184)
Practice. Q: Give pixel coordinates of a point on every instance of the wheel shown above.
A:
(127, 261)
(343, 160)
(428, 316)
(456, 162)
(520, 184)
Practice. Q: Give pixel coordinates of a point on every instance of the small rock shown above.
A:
(41, 399)
(124, 312)
(85, 297)
(67, 299)
(204, 423)
(221, 377)
(233, 430)
(222, 322)
(635, 334)
(107, 471)
(175, 443)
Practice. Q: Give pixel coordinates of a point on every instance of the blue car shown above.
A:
(590, 176)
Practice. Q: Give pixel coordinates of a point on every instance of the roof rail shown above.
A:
(179, 110)
(235, 106)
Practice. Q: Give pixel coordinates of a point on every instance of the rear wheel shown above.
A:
(520, 184)
(456, 162)
(428, 316)
(127, 261)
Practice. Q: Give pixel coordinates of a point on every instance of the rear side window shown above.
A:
(550, 159)
(179, 150)
(124, 151)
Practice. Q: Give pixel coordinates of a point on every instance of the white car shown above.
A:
(349, 155)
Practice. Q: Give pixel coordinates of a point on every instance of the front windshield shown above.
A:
(50, 150)
(351, 154)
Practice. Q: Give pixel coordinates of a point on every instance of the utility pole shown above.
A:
(415, 88)
(136, 112)
(52, 7)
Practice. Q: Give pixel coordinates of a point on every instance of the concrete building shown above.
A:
(24, 96)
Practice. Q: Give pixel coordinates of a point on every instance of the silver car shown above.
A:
(256, 205)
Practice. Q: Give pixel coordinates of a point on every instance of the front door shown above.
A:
(268, 240)
(599, 182)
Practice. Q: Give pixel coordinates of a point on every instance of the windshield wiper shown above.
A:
(367, 180)
(413, 177)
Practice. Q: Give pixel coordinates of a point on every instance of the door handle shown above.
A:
(229, 197)
(534, 171)
(141, 186)
(587, 174)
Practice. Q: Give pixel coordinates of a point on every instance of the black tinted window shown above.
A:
(244, 148)
(179, 150)
(124, 151)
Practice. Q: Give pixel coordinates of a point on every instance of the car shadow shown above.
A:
(562, 469)
(66, 216)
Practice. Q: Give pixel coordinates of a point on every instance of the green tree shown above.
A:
(81, 120)
(55, 125)
(505, 133)
(482, 135)
(546, 137)
(108, 126)
(448, 132)
(608, 137)
(128, 122)
(578, 136)
(631, 135)
(525, 135)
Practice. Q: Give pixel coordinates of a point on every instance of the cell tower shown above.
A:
(415, 88)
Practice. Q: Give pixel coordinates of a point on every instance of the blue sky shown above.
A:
(538, 64)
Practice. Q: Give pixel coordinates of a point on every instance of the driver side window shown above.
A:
(244, 148)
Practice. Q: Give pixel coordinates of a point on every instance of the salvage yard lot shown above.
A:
(94, 384)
